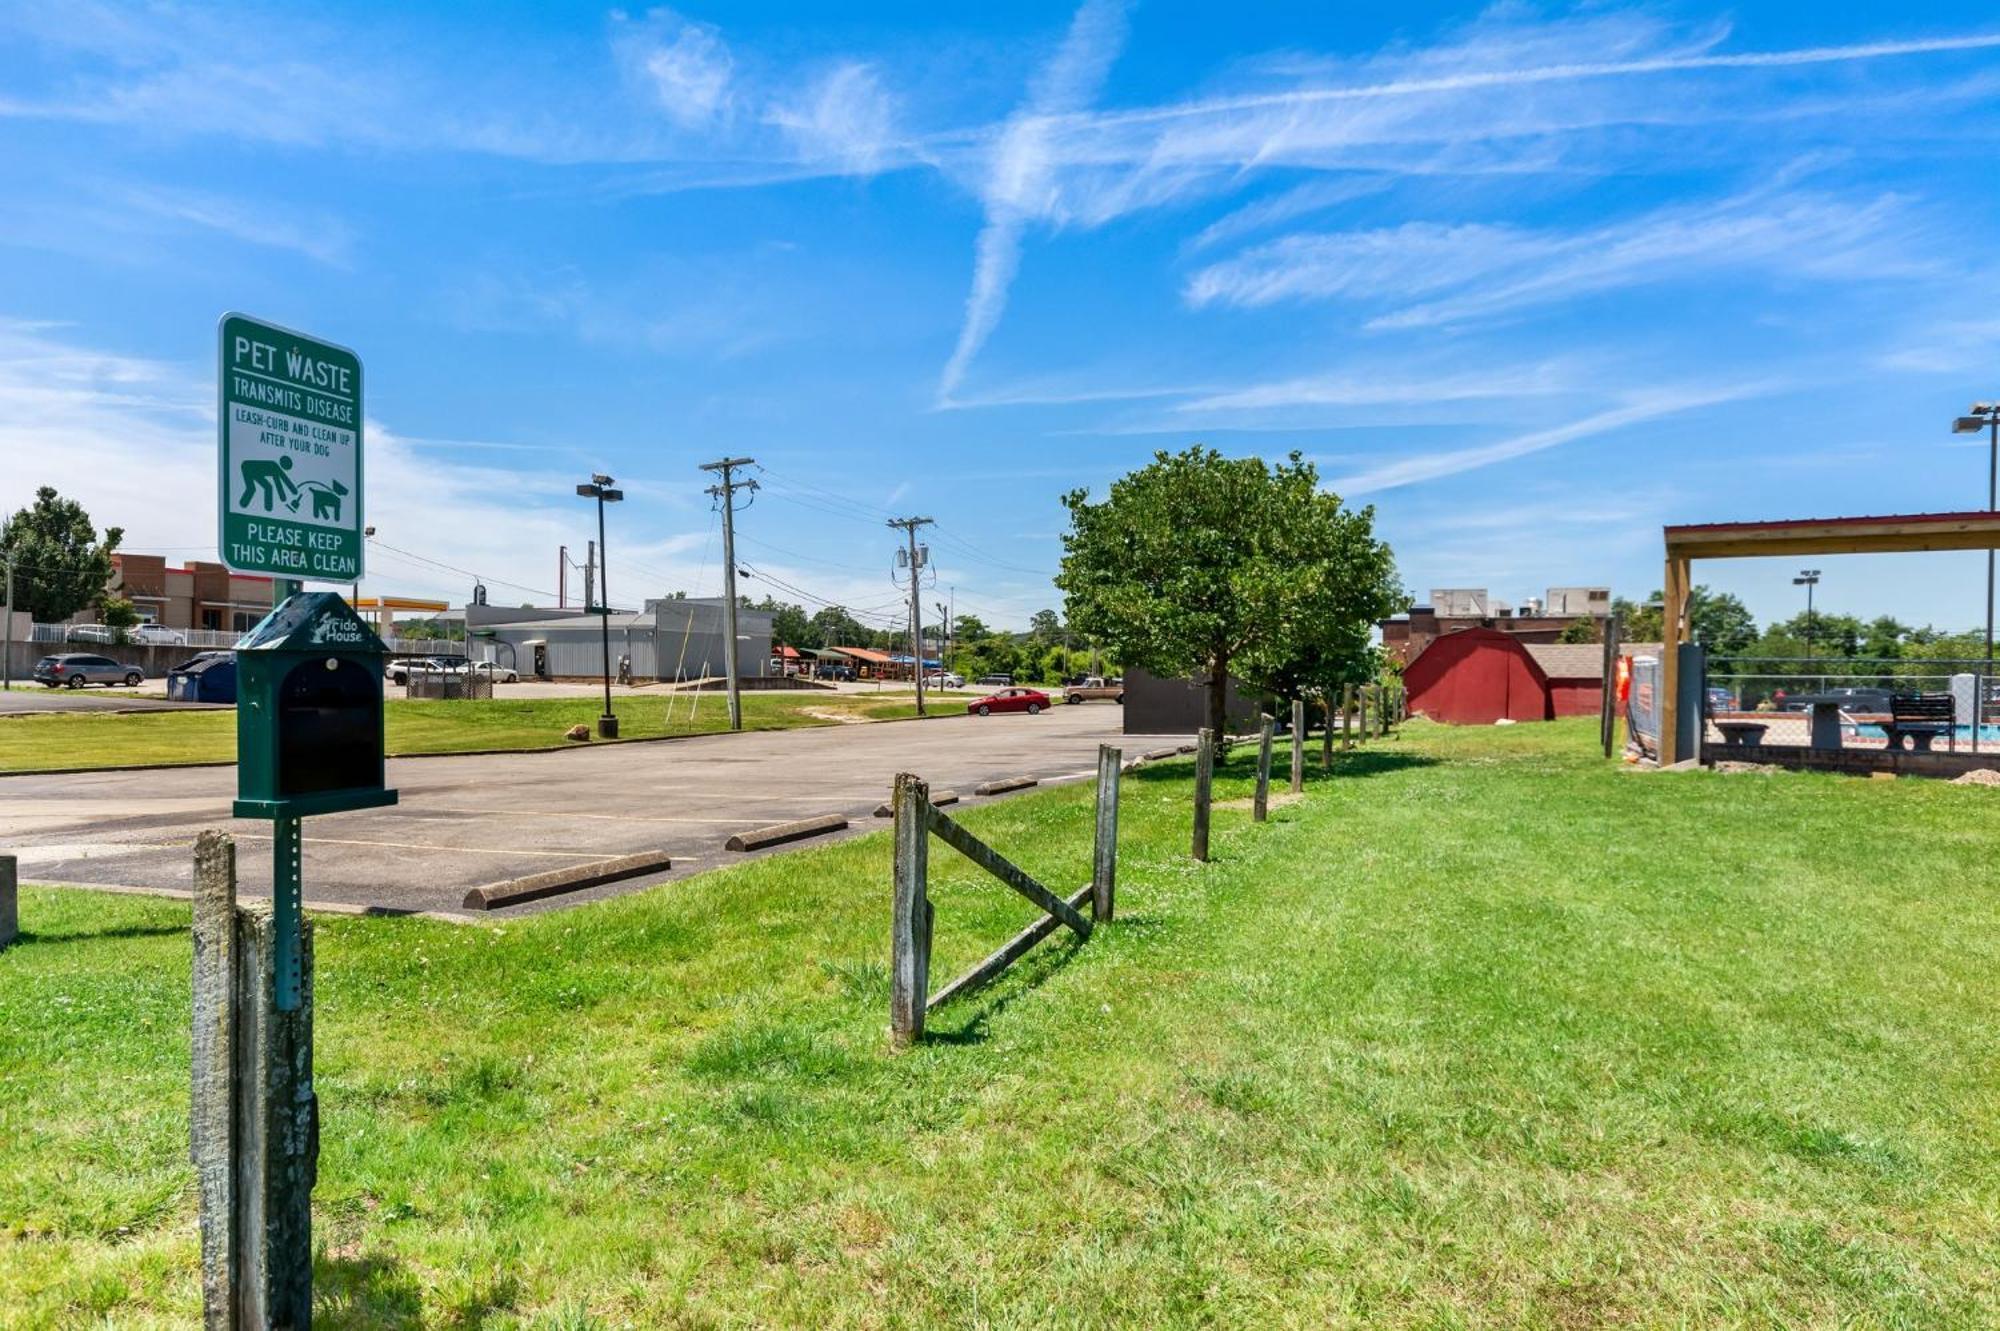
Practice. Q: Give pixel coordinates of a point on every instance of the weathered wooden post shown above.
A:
(1298, 746)
(1262, 804)
(910, 929)
(254, 1121)
(1361, 705)
(1204, 781)
(10, 898)
(1382, 705)
(1326, 735)
(1346, 716)
(1104, 857)
(1607, 719)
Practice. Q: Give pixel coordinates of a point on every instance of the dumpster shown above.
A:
(209, 677)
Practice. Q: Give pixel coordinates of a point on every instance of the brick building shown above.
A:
(1451, 609)
(200, 596)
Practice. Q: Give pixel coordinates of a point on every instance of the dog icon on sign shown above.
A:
(326, 497)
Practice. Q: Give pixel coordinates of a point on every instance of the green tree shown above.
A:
(789, 623)
(837, 628)
(1720, 623)
(1831, 635)
(1640, 623)
(1207, 566)
(118, 614)
(1581, 629)
(969, 628)
(1884, 637)
(1044, 626)
(60, 566)
(1717, 620)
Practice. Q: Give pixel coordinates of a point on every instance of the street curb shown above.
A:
(1006, 784)
(779, 833)
(515, 891)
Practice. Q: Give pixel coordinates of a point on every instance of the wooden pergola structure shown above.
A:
(1800, 538)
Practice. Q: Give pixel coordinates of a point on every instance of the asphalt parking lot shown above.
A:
(471, 820)
(40, 698)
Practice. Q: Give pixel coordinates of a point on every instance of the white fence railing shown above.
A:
(96, 635)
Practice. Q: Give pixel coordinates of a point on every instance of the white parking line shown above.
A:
(566, 815)
(418, 845)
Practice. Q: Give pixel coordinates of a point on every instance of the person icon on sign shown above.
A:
(269, 479)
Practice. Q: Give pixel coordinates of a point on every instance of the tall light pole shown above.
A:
(1986, 416)
(355, 595)
(599, 488)
(1808, 578)
(915, 559)
(726, 492)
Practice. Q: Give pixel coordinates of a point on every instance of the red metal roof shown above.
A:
(1884, 519)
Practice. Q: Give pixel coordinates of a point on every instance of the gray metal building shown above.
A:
(670, 639)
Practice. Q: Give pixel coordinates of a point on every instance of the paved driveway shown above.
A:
(465, 821)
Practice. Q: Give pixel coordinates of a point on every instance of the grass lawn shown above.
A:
(44, 741)
(1484, 1032)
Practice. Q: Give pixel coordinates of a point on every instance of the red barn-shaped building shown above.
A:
(1475, 677)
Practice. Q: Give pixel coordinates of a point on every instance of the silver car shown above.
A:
(76, 669)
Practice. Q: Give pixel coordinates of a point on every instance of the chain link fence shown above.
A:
(1850, 702)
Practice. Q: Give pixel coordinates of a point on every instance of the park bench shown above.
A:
(1921, 717)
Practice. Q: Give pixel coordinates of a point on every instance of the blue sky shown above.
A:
(1531, 280)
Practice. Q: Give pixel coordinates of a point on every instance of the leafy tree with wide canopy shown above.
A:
(1201, 565)
(838, 628)
(789, 623)
(60, 566)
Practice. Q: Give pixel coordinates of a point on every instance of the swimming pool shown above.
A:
(1989, 734)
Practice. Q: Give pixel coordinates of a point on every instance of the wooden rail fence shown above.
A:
(917, 820)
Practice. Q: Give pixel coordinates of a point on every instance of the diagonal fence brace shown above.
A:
(994, 863)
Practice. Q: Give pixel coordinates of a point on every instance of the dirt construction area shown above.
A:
(468, 821)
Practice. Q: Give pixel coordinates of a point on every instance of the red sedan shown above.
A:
(1010, 700)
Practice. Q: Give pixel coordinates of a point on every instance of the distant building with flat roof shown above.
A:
(671, 638)
(1453, 609)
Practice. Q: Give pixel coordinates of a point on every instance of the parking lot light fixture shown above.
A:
(599, 488)
(1986, 416)
(1808, 578)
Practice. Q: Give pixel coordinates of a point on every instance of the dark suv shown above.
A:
(76, 669)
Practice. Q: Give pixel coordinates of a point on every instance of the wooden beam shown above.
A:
(1012, 951)
(994, 863)
(1674, 607)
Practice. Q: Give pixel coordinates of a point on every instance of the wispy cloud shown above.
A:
(1488, 269)
(685, 65)
(1637, 410)
(324, 237)
(847, 117)
(1022, 164)
(1312, 197)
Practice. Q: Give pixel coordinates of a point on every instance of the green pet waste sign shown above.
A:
(289, 420)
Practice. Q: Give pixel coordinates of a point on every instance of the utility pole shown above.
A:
(944, 639)
(7, 652)
(726, 492)
(915, 557)
(562, 577)
(589, 575)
